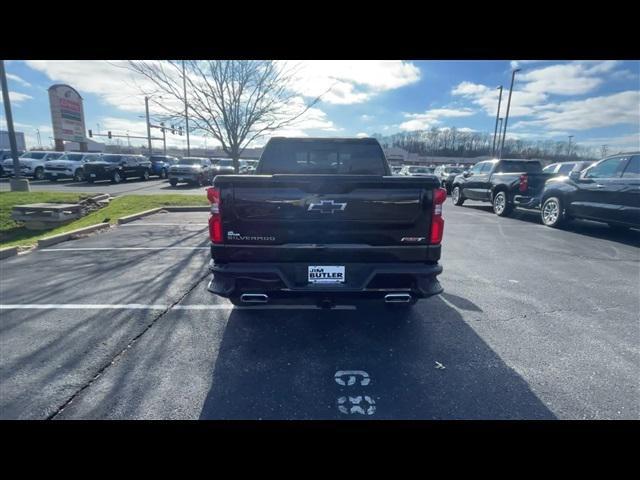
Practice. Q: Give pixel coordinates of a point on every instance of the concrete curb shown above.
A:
(8, 252)
(135, 216)
(48, 241)
(189, 208)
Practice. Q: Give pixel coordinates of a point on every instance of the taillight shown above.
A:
(437, 222)
(215, 220)
(524, 183)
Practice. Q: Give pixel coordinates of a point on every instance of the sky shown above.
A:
(597, 102)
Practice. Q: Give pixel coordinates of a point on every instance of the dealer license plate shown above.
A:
(326, 274)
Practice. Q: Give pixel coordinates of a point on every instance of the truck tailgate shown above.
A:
(326, 210)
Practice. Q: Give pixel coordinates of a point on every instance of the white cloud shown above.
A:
(348, 82)
(424, 121)
(112, 81)
(616, 109)
(366, 118)
(18, 79)
(16, 98)
(362, 135)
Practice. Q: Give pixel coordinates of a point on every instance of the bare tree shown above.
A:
(236, 101)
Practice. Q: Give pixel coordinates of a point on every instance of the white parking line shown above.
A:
(139, 306)
(84, 249)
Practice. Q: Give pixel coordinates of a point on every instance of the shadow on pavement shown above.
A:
(588, 228)
(281, 365)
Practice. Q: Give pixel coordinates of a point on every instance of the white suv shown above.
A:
(69, 165)
(31, 163)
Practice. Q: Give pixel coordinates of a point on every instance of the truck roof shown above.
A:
(326, 139)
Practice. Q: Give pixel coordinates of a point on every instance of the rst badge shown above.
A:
(326, 274)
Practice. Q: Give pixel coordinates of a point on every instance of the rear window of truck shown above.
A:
(514, 167)
(322, 158)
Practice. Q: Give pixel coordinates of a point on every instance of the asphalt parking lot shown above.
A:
(150, 187)
(535, 323)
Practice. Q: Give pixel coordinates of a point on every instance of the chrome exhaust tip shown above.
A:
(254, 298)
(397, 298)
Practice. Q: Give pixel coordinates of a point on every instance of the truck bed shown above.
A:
(357, 218)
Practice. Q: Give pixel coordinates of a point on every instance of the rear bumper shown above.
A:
(361, 279)
(524, 201)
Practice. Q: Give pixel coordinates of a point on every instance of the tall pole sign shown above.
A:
(67, 116)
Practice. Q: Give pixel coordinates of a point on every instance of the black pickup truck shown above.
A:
(504, 183)
(323, 219)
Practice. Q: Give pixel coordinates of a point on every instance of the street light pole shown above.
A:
(186, 107)
(495, 132)
(17, 183)
(146, 107)
(569, 146)
(506, 117)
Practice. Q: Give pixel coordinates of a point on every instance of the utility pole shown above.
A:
(164, 139)
(603, 152)
(495, 132)
(569, 146)
(500, 121)
(506, 117)
(38, 136)
(146, 107)
(186, 107)
(17, 184)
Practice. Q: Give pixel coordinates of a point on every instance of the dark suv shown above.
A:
(192, 170)
(117, 167)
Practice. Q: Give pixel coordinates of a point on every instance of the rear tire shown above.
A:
(38, 174)
(116, 178)
(501, 205)
(163, 173)
(145, 175)
(552, 212)
(456, 196)
(78, 176)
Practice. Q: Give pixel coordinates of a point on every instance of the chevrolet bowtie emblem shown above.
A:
(326, 206)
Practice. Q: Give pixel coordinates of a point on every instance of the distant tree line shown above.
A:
(452, 142)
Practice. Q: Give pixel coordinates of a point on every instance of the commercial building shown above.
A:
(4, 141)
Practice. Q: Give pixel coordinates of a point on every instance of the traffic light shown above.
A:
(90, 133)
(109, 134)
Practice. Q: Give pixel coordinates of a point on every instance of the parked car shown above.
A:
(248, 167)
(323, 219)
(608, 191)
(192, 170)
(222, 166)
(416, 171)
(117, 168)
(446, 174)
(69, 165)
(504, 183)
(565, 168)
(160, 164)
(6, 154)
(31, 163)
